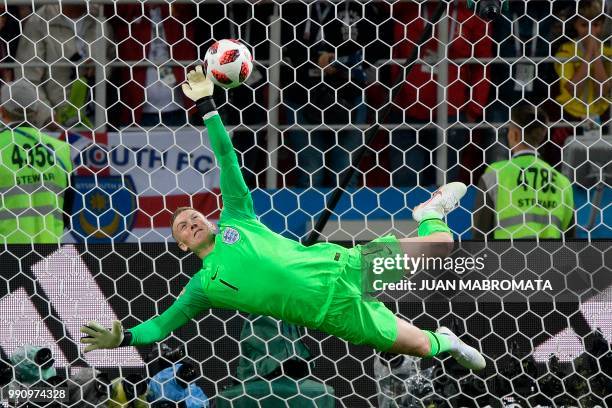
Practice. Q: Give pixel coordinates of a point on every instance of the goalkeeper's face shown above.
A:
(193, 231)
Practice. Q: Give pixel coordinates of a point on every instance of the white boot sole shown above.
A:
(443, 200)
(467, 356)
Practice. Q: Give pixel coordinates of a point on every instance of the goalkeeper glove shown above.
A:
(99, 337)
(199, 89)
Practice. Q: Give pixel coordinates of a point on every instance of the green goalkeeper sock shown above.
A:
(439, 343)
(431, 225)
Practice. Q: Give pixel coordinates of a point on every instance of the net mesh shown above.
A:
(106, 79)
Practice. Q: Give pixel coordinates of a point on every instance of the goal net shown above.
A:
(354, 112)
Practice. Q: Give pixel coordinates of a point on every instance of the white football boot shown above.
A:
(442, 201)
(465, 355)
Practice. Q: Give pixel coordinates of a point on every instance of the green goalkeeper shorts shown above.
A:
(351, 317)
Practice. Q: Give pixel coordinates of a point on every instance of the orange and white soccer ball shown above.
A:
(228, 63)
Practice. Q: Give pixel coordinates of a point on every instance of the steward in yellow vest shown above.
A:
(34, 171)
(524, 197)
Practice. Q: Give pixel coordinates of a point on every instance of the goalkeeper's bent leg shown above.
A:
(435, 237)
(438, 244)
(423, 343)
(419, 343)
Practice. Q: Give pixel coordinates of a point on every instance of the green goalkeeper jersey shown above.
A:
(251, 268)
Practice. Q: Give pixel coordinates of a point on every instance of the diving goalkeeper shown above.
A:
(247, 267)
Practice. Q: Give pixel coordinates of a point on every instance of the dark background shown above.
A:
(507, 330)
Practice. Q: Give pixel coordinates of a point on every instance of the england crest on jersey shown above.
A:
(230, 235)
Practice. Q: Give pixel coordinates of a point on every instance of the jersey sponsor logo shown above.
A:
(107, 209)
(230, 236)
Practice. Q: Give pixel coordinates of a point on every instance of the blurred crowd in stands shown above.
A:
(337, 70)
